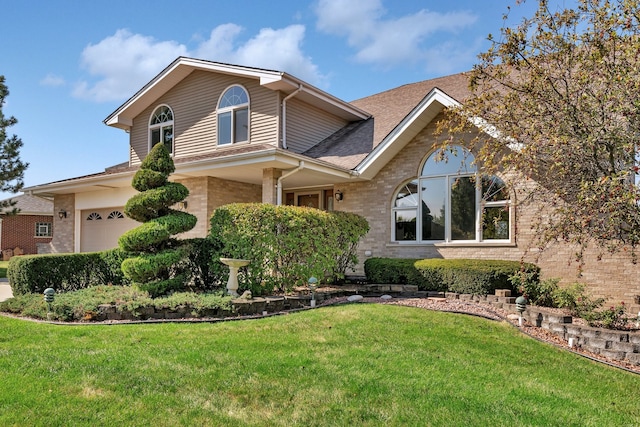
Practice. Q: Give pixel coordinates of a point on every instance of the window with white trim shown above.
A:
(43, 229)
(161, 127)
(233, 116)
(451, 202)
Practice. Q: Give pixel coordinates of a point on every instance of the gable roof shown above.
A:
(397, 116)
(275, 80)
(380, 127)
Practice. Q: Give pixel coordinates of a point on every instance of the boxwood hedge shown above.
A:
(65, 272)
(467, 276)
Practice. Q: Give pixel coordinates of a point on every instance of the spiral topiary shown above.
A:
(156, 266)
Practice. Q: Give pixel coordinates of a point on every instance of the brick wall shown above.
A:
(20, 231)
(613, 277)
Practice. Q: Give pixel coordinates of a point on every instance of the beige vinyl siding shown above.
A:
(308, 125)
(194, 102)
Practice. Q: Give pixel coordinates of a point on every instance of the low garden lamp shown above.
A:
(521, 306)
(313, 284)
(49, 296)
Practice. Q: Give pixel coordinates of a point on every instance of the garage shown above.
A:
(101, 228)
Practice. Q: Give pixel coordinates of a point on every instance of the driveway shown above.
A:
(5, 290)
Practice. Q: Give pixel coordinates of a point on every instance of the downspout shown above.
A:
(284, 115)
(286, 175)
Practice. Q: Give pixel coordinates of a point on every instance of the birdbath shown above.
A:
(234, 265)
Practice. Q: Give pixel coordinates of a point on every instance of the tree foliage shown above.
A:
(557, 99)
(156, 268)
(11, 167)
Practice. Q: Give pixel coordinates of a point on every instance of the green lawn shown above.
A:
(375, 365)
(3, 268)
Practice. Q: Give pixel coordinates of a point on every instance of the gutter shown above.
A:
(284, 115)
(286, 175)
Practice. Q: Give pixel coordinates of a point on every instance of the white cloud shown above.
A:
(389, 42)
(272, 49)
(52, 80)
(121, 64)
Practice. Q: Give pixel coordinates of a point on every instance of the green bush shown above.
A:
(466, 276)
(401, 271)
(286, 244)
(203, 273)
(156, 256)
(580, 303)
(537, 292)
(65, 272)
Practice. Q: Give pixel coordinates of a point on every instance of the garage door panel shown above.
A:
(101, 228)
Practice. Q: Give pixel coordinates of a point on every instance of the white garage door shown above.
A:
(101, 228)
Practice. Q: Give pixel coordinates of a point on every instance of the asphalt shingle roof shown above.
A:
(349, 146)
(32, 204)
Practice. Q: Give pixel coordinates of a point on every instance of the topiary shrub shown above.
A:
(155, 268)
(286, 244)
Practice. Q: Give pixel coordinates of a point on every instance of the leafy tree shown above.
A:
(156, 268)
(11, 167)
(557, 99)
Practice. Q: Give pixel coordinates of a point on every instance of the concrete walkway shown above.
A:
(5, 290)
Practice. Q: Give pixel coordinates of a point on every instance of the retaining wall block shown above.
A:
(617, 336)
(633, 358)
(598, 343)
(624, 346)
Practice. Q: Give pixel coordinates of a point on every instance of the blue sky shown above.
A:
(69, 64)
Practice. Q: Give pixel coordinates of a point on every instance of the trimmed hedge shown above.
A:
(399, 271)
(465, 276)
(65, 272)
(286, 244)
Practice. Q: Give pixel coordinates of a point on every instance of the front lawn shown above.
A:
(3, 268)
(359, 364)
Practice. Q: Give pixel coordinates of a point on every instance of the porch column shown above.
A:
(269, 185)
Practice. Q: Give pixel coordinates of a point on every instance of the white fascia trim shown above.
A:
(190, 64)
(435, 95)
(495, 133)
(107, 181)
(274, 154)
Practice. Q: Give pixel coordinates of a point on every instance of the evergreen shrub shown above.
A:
(285, 244)
(465, 276)
(65, 272)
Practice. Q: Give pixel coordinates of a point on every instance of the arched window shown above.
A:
(450, 201)
(233, 116)
(161, 127)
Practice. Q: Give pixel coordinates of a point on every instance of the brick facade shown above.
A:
(614, 277)
(63, 237)
(20, 231)
(208, 193)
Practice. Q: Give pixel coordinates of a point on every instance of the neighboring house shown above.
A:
(242, 134)
(30, 228)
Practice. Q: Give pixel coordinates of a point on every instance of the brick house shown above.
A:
(30, 227)
(242, 134)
